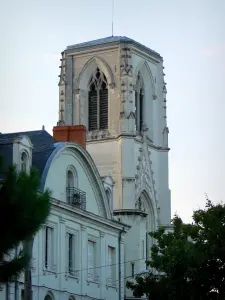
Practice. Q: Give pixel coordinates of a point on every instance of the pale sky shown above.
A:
(190, 35)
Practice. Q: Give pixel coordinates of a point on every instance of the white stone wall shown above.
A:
(59, 280)
(95, 223)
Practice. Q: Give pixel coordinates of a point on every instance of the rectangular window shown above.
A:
(111, 264)
(49, 247)
(143, 249)
(91, 259)
(71, 253)
(132, 269)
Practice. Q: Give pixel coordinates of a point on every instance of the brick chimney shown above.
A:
(72, 133)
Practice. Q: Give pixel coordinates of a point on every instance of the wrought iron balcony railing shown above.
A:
(76, 197)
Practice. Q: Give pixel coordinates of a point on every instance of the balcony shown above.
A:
(76, 197)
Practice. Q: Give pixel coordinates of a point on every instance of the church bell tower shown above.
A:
(115, 87)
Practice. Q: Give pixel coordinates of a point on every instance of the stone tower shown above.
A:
(115, 87)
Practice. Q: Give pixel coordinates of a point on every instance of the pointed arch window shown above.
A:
(98, 101)
(139, 103)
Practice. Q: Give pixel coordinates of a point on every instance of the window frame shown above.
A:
(52, 266)
(73, 171)
(75, 256)
(94, 276)
(98, 84)
(111, 269)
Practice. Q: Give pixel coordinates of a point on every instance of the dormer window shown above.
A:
(24, 161)
(75, 196)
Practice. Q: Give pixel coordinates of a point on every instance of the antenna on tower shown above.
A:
(112, 15)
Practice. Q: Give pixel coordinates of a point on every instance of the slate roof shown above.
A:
(43, 143)
(112, 39)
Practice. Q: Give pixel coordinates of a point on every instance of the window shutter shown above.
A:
(92, 110)
(104, 108)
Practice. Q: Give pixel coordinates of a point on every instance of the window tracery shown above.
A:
(98, 101)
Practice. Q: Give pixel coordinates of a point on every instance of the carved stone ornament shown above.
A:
(102, 234)
(142, 177)
(164, 88)
(62, 75)
(126, 67)
(98, 134)
(83, 228)
(131, 115)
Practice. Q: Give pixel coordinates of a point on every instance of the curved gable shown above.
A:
(65, 156)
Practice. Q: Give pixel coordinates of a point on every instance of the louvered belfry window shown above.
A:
(139, 103)
(98, 101)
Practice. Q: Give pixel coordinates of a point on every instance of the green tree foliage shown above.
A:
(22, 211)
(188, 263)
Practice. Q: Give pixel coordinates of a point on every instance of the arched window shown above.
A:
(139, 103)
(98, 101)
(49, 296)
(24, 161)
(72, 179)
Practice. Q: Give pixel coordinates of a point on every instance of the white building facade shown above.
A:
(79, 252)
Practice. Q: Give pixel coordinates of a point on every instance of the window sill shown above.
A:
(111, 284)
(94, 280)
(75, 276)
(49, 271)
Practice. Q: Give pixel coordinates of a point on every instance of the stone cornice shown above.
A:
(88, 216)
(110, 139)
(129, 212)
